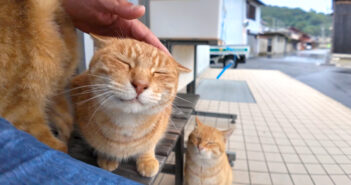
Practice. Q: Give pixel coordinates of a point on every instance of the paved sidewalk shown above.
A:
(293, 134)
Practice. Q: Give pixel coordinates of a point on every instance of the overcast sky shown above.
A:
(324, 6)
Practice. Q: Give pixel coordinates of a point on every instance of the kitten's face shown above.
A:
(206, 142)
(133, 76)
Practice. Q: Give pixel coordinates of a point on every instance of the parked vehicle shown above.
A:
(221, 56)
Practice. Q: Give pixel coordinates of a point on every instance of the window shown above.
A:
(251, 11)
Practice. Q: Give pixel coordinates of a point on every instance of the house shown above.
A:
(341, 48)
(274, 43)
(303, 41)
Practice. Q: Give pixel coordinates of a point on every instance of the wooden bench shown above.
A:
(172, 141)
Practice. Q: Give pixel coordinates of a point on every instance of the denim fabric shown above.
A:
(25, 160)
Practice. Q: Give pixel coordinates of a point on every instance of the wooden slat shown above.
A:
(176, 126)
(166, 145)
(129, 171)
(80, 150)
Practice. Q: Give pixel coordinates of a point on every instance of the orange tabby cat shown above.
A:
(206, 159)
(123, 102)
(38, 54)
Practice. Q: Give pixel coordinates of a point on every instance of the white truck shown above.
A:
(221, 56)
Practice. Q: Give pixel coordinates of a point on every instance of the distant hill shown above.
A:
(309, 22)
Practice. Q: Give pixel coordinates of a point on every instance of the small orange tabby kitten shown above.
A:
(206, 159)
(124, 101)
(38, 55)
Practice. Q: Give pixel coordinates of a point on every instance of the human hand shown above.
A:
(111, 18)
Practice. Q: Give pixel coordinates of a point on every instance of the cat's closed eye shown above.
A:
(125, 63)
(160, 72)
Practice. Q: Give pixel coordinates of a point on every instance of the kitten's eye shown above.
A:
(211, 143)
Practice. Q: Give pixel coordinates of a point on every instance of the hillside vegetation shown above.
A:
(310, 22)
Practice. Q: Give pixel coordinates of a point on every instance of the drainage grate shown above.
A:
(225, 90)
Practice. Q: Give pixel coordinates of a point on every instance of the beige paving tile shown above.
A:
(240, 165)
(325, 159)
(281, 179)
(260, 178)
(258, 166)
(333, 169)
(303, 150)
(341, 179)
(302, 180)
(241, 177)
(252, 147)
(322, 179)
(240, 154)
(346, 168)
(290, 120)
(315, 169)
(287, 149)
(306, 158)
(296, 168)
(276, 167)
(342, 159)
(255, 156)
(273, 157)
(291, 158)
(270, 148)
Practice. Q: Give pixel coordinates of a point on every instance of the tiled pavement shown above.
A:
(293, 134)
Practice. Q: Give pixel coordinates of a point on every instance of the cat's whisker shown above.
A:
(184, 100)
(90, 91)
(92, 98)
(80, 87)
(101, 104)
(99, 76)
(173, 124)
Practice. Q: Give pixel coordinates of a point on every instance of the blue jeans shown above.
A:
(25, 160)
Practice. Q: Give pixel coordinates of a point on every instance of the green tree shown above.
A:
(310, 22)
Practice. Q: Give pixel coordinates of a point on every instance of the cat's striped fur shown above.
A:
(206, 159)
(38, 54)
(123, 102)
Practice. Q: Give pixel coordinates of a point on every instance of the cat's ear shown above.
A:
(197, 122)
(183, 69)
(100, 41)
(227, 133)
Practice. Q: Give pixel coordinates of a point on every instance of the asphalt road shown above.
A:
(309, 67)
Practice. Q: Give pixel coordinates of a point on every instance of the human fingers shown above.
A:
(122, 8)
(140, 32)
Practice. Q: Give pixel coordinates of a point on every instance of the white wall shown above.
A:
(203, 58)
(88, 49)
(186, 18)
(233, 16)
(255, 25)
(185, 56)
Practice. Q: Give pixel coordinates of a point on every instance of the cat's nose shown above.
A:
(201, 147)
(140, 86)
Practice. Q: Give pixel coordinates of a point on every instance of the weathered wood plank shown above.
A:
(80, 150)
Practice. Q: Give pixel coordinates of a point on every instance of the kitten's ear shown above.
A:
(183, 69)
(227, 133)
(198, 123)
(100, 41)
